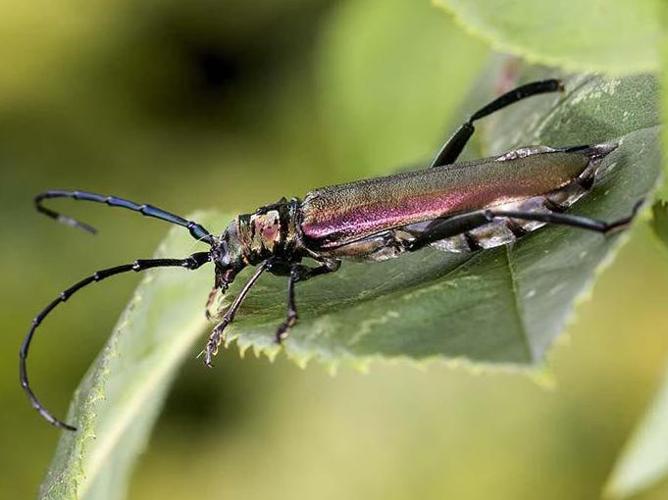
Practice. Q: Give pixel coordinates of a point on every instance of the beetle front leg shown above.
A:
(218, 334)
(219, 287)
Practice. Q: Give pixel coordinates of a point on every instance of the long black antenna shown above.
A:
(196, 230)
(194, 261)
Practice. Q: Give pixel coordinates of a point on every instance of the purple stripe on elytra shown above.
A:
(337, 214)
(349, 221)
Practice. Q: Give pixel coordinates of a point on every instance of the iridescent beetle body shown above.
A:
(343, 220)
(456, 207)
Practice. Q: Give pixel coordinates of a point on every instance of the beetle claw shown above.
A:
(284, 328)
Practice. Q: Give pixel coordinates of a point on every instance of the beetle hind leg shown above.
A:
(460, 224)
(451, 150)
(571, 220)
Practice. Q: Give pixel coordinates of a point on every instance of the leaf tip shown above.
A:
(544, 377)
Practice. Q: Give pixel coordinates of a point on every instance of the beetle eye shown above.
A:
(223, 254)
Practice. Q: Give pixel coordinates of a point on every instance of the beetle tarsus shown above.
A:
(623, 223)
(283, 330)
(215, 340)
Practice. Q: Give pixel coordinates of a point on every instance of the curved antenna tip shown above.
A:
(69, 221)
(62, 425)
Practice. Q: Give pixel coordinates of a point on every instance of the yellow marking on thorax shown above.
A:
(267, 230)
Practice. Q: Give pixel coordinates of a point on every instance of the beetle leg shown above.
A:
(460, 224)
(219, 287)
(282, 331)
(445, 228)
(451, 150)
(306, 273)
(571, 220)
(217, 335)
(299, 272)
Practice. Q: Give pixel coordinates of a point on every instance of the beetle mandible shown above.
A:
(456, 207)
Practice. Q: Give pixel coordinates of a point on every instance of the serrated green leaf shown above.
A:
(503, 306)
(645, 458)
(612, 36)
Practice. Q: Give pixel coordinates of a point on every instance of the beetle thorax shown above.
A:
(270, 231)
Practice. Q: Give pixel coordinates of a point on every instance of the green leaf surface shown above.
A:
(503, 306)
(645, 459)
(612, 36)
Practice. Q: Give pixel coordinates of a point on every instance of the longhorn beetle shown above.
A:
(456, 207)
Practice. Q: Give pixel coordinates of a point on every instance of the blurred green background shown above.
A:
(232, 105)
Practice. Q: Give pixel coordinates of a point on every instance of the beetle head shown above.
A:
(228, 256)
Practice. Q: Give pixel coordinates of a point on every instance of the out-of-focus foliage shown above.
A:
(610, 36)
(194, 104)
(389, 73)
(644, 462)
(645, 459)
